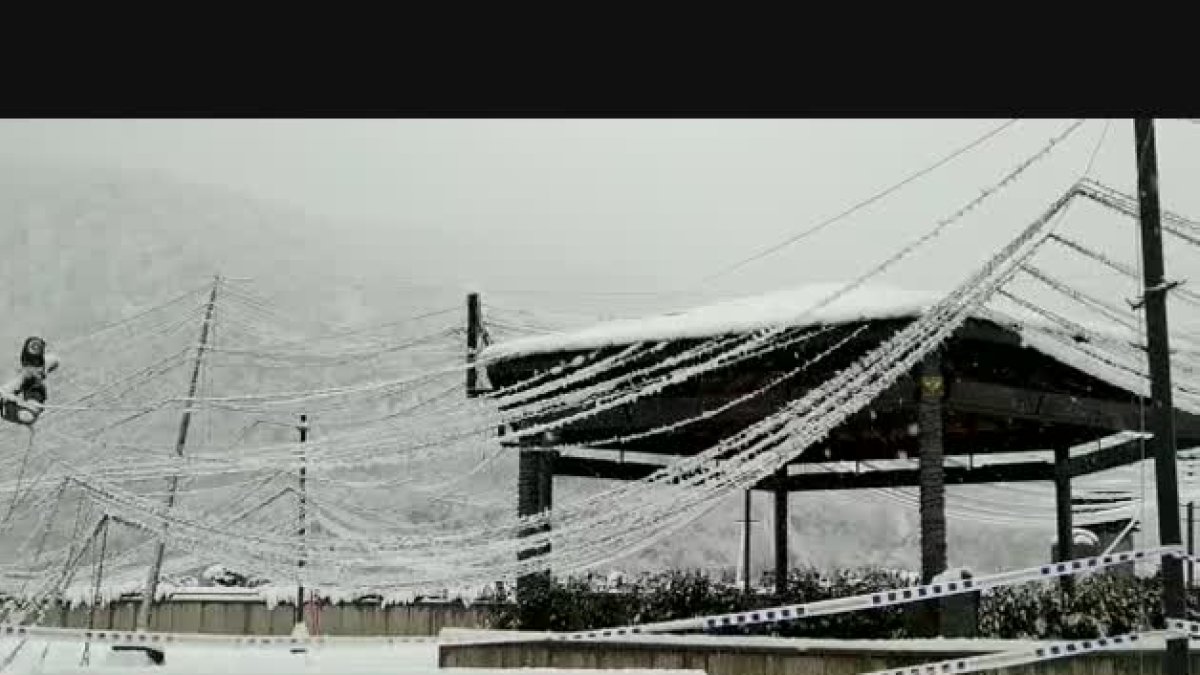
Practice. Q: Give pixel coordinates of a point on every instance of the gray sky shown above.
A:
(556, 210)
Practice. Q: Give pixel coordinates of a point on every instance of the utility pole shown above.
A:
(303, 519)
(99, 578)
(1191, 549)
(143, 617)
(85, 659)
(473, 325)
(1154, 301)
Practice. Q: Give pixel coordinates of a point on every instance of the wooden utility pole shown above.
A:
(1162, 418)
(1191, 546)
(143, 617)
(473, 330)
(303, 521)
(98, 579)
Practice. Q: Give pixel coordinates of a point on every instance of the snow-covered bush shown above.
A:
(1100, 605)
(577, 604)
(220, 575)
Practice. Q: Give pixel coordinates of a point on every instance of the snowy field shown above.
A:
(54, 658)
(62, 657)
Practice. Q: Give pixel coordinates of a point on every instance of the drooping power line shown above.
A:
(864, 203)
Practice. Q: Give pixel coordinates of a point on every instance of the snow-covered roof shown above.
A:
(806, 306)
(789, 307)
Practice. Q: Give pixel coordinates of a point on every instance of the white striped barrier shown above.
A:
(158, 640)
(1020, 657)
(769, 615)
(1188, 628)
(897, 596)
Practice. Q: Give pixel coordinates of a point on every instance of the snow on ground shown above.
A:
(63, 658)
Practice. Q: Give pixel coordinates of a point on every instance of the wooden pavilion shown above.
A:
(991, 388)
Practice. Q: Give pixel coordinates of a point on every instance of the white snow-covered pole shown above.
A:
(303, 522)
(143, 617)
(1133, 522)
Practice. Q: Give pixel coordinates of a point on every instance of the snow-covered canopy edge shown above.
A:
(788, 307)
(791, 307)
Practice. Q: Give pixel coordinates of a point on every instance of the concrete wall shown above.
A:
(760, 660)
(253, 618)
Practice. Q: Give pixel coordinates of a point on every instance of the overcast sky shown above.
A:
(567, 210)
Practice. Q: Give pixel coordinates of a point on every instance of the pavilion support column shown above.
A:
(535, 483)
(546, 486)
(546, 499)
(932, 469)
(932, 485)
(781, 533)
(1062, 499)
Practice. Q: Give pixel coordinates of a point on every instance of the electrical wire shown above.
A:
(864, 203)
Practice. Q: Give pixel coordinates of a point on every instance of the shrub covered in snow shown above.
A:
(220, 575)
(577, 604)
(1100, 605)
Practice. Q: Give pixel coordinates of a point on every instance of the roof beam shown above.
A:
(964, 395)
(954, 475)
(1108, 458)
(1093, 462)
(1054, 408)
(590, 467)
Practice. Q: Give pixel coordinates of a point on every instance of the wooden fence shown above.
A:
(250, 617)
(756, 658)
